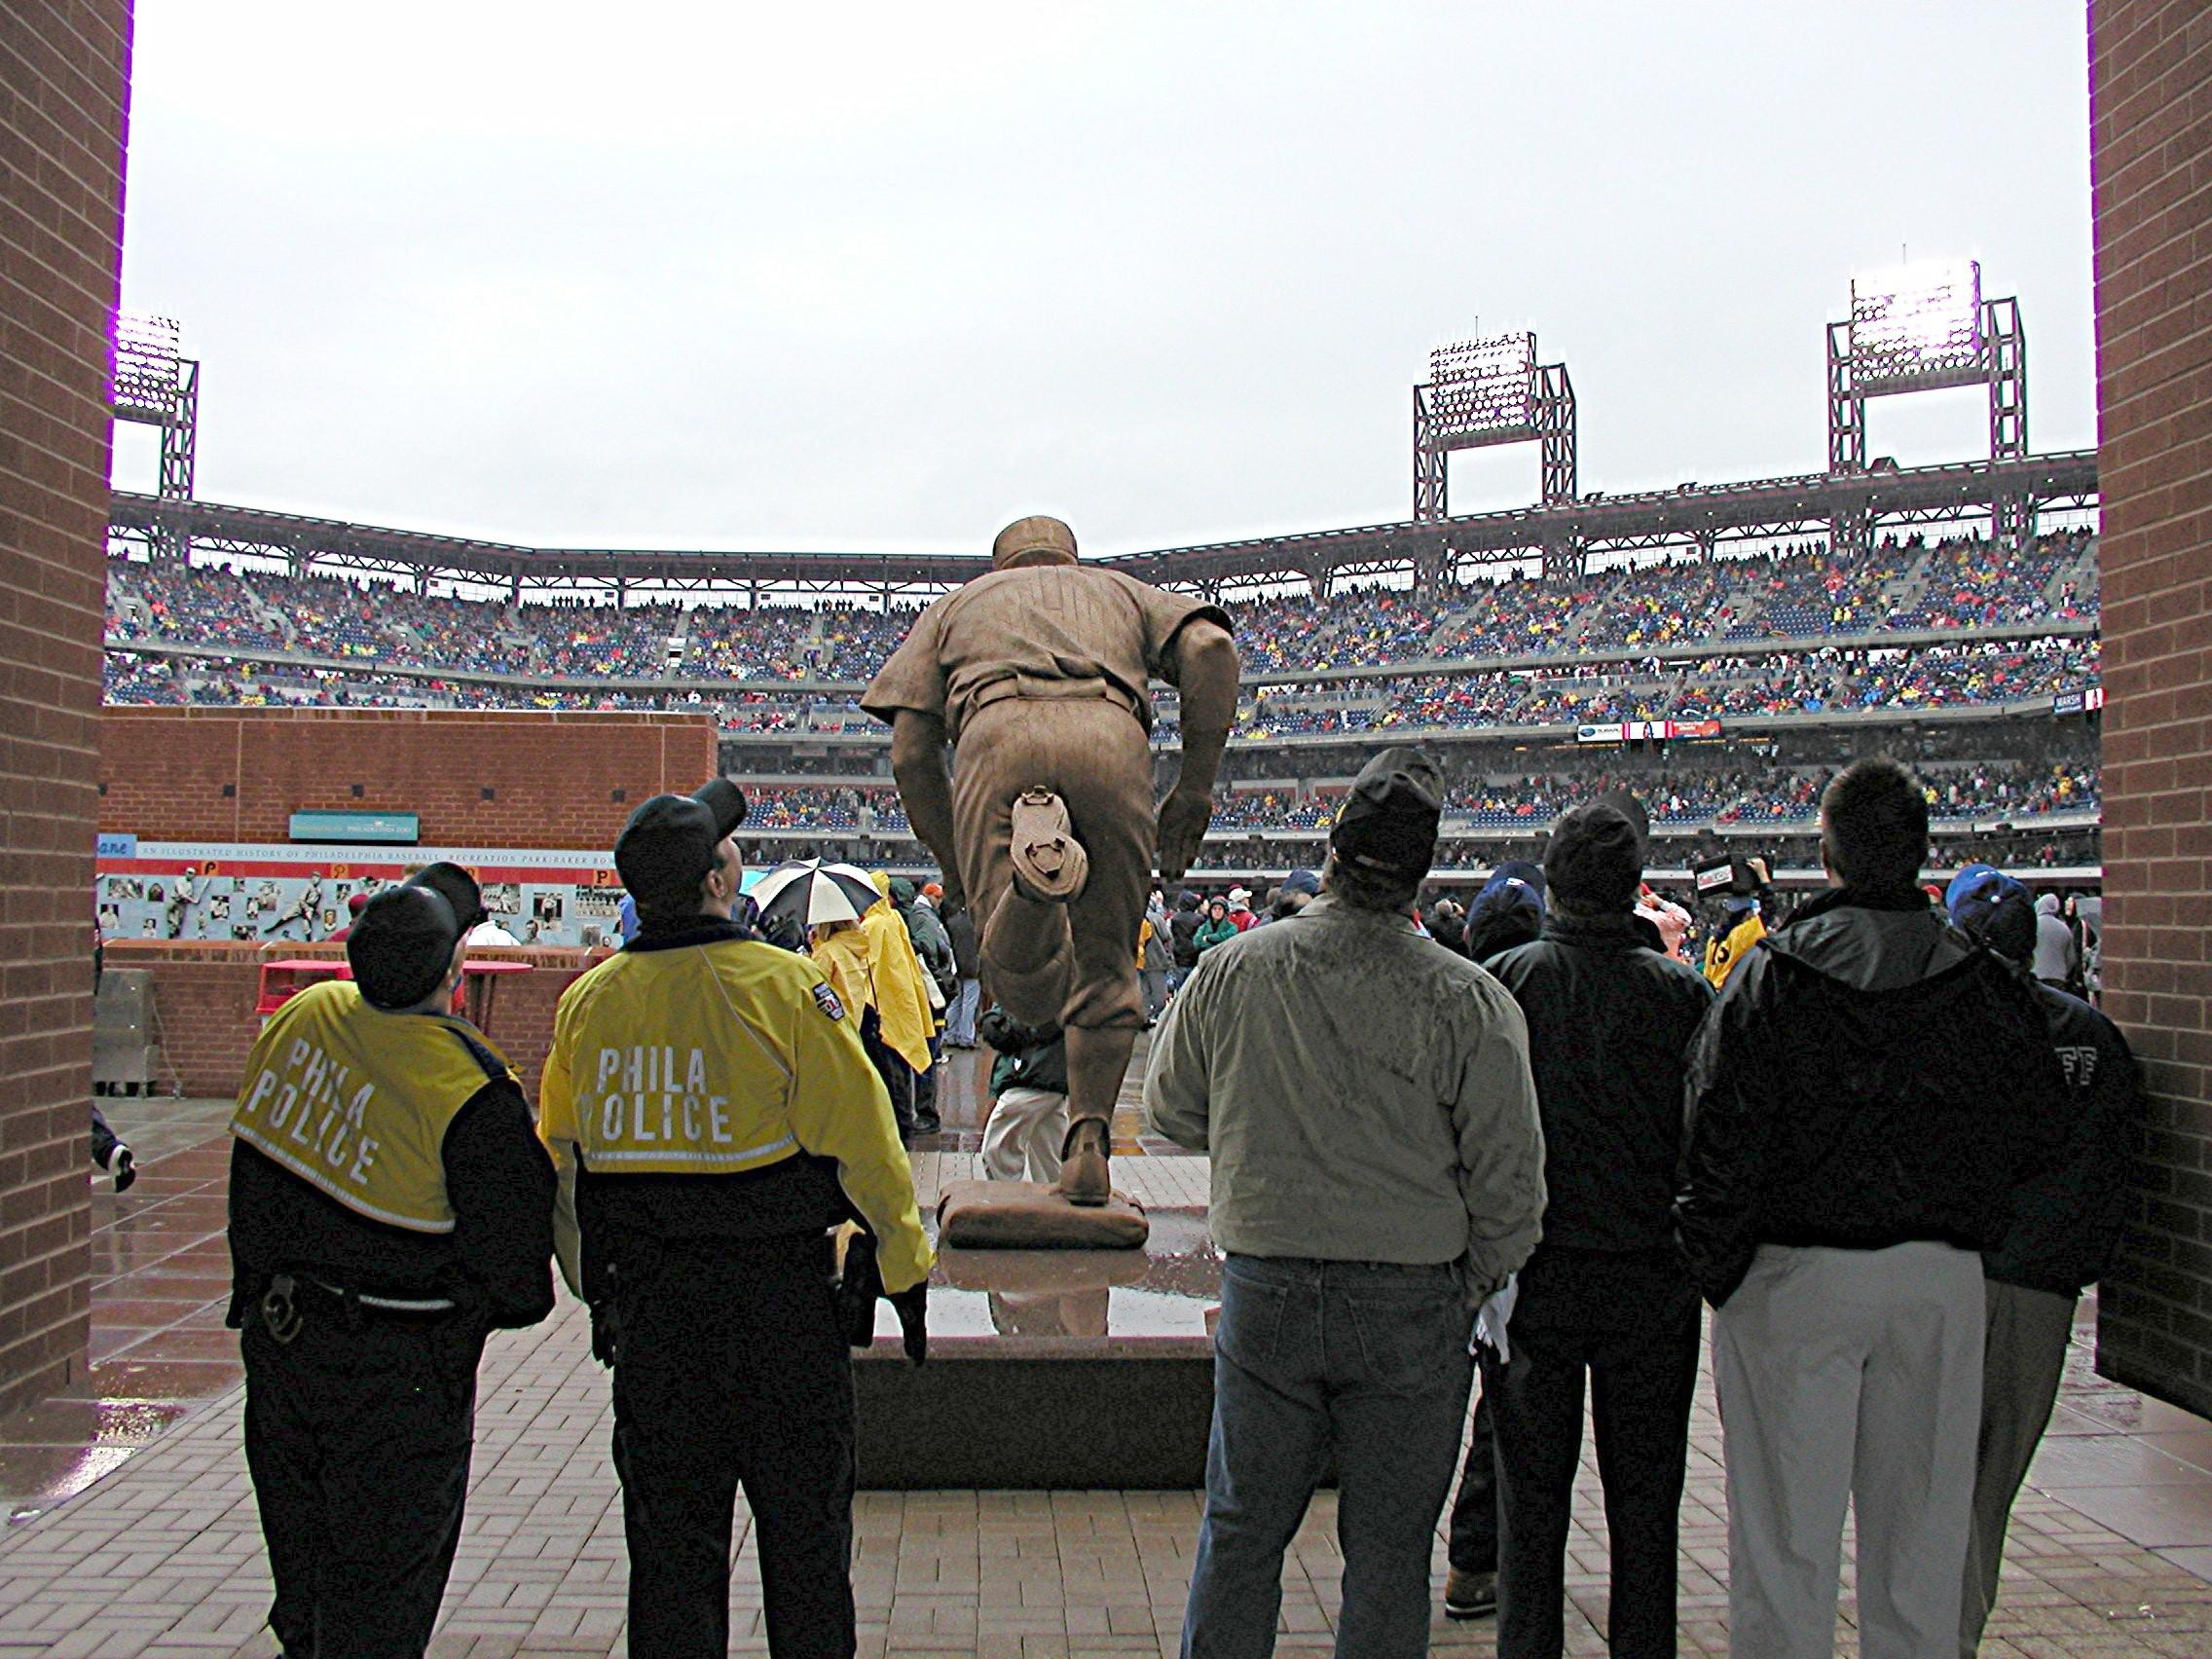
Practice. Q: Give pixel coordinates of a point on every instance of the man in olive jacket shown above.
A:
(1377, 1167)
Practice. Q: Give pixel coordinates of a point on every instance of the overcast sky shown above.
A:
(847, 278)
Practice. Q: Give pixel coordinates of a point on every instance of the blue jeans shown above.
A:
(960, 1017)
(1370, 1359)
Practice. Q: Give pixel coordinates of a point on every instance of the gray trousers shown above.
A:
(1849, 1378)
(2021, 1365)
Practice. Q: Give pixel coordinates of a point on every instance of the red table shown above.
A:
(282, 980)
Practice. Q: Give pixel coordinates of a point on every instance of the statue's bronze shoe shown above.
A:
(1085, 1177)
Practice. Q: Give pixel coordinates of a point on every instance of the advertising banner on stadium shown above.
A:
(1645, 731)
(2085, 701)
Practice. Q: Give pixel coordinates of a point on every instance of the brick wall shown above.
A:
(2151, 90)
(204, 996)
(64, 67)
(475, 778)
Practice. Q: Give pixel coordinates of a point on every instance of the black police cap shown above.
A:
(401, 945)
(457, 887)
(668, 846)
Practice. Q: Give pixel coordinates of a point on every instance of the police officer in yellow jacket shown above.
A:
(389, 1205)
(713, 1116)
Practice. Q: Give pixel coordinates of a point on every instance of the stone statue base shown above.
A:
(1025, 1215)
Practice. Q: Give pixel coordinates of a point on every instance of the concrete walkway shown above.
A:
(155, 1547)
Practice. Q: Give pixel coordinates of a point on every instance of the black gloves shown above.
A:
(605, 1332)
(912, 1305)
(859, 1288)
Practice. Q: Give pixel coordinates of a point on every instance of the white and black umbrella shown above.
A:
(811, 891)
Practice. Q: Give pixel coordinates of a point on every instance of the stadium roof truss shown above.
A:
(1692, 516)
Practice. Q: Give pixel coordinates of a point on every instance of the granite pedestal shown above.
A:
(1048, 1368)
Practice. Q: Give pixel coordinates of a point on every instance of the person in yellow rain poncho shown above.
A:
(843, 952)
(901, 1002)
(841, 949)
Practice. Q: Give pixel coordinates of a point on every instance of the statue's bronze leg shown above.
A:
(1097, 1060)
(1028, 954)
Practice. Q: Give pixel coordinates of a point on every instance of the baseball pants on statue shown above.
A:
(1093, 755)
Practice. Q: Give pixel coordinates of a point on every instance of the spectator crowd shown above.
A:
(1789, 596)
(1799, 1133)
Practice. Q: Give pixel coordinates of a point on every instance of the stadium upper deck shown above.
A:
(1907, 591)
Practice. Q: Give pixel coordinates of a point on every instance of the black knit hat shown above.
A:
(1594, 861)
(1389, 822)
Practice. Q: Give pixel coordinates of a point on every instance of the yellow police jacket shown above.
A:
(1721, 955)
(717, 1058)
(357, 1101)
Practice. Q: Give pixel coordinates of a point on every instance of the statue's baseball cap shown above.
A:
(457, 887)
(1038, 540)
(668, 846)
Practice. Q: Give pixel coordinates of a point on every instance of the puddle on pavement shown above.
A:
(1163, 1290)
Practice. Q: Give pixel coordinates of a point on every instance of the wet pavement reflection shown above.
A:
(1163, 1290)
(161, 1284)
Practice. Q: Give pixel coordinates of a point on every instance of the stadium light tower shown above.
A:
(155, 386)
(1922, 328)
(1486, 391)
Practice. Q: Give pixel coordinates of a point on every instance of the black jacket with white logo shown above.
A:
(1869, 1076)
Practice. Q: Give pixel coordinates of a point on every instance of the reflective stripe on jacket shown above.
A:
(718, 1058)
(357, 1101)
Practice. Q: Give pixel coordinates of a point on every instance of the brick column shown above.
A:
(64, 67)
(2150, 126)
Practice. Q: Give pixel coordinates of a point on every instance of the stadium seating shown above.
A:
(1734, 796)
(1594, 651)
(1796, 595)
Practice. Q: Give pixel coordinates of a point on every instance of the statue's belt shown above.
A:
(1032, 685)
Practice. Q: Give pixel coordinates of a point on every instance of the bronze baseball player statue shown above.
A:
(1037, 675)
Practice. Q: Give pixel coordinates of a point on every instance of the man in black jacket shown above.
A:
(2065, 1228)
(1865, 1099)
(1183, 936)
(967, 966)
(389, 1206)
(1605, 1293)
